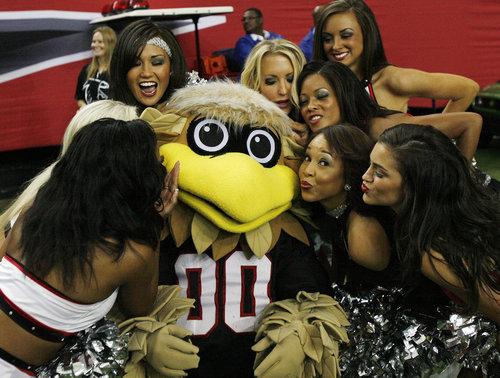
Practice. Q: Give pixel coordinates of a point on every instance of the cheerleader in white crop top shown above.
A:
(92, 229)
(41, 310)
(42, 305)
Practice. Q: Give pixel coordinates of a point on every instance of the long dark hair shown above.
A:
(130, 44)
(353, 147)
(444, 209)
(356, 106)
(103, 193)
(373, 56)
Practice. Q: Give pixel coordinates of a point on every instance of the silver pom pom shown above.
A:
(193, 78)
(98, 351)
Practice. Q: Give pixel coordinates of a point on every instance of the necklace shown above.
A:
(339, 210)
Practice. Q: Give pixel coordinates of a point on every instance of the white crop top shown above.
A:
(46, 305)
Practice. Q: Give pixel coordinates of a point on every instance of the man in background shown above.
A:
(253, 23)
(306, 45)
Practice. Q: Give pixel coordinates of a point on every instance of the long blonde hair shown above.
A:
(87, 114)
(250, 76)
(109, 39)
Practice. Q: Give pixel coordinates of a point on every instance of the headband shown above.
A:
(158, 42)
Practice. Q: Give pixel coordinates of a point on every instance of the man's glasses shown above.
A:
(248, 18)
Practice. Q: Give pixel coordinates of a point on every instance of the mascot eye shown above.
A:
(263, 146)
(208, 136)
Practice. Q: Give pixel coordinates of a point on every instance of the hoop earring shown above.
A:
(347, 187)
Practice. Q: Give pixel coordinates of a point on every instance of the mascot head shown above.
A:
(238, 167)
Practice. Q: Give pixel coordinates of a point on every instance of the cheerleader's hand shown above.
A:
(300, 133)
(170, 191)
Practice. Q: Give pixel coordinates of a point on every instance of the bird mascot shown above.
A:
(253, 299)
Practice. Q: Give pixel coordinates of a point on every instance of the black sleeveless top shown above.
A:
(330, 244)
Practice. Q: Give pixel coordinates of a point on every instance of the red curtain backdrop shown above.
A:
(455, 36)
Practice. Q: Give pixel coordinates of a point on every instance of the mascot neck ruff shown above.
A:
(262, 304)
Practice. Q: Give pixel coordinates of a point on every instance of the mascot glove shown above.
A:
(316, 320)
(284, 360)
(169, 353)
(158, 325)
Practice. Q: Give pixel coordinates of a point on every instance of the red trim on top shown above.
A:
(370, 90)
(31, 319)
(30, 373)
(20, 266)
(372, 95)
(452, 296)
(455, 298)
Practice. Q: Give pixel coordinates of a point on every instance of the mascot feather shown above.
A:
(262, 303)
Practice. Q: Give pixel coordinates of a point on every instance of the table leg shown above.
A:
(195, 19)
